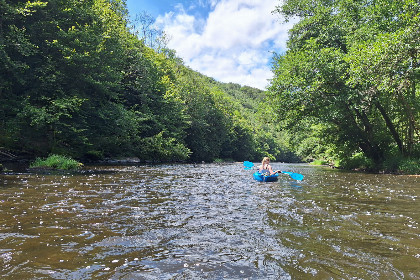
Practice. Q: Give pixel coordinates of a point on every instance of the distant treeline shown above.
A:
(76, 80)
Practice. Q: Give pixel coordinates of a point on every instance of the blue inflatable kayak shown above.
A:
(265, 178)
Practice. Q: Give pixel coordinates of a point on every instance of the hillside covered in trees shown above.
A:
(75, 79)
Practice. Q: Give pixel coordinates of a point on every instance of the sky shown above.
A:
(228, 40)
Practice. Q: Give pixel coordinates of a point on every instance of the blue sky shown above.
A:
(229, 40)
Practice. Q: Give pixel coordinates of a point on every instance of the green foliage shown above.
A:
(356, 161)
(158, 149)
(396, 162)
(94, 155)
(410, 166)
(392, 160)
(319, 162)
(56, 162)
(352, 67)
(75, 80)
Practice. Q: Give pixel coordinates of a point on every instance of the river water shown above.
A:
(208, 221)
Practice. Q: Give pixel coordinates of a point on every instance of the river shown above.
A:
(208, 221)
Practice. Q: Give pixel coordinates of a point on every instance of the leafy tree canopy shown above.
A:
(352, 67)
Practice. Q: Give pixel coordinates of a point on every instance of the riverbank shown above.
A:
(397, 166)
(20, 163)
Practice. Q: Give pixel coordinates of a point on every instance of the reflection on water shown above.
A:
(208, 222)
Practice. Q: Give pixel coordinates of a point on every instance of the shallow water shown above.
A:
(208, 221)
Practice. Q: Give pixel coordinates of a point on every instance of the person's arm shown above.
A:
(271, 170)
(274, 172)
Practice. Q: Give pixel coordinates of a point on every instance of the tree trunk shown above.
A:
(390, 126)
(412, 94)
(370, 149)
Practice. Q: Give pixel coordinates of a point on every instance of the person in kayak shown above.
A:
(265, 167)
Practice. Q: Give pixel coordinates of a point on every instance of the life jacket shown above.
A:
(265, 171)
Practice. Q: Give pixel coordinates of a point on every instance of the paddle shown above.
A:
(296, 176)
(248, 165)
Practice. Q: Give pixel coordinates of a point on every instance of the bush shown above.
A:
(320, 162)
(94, 155)
(356, 161)
(409, 166)
(56, 162)
(396, 162)
(163, 149)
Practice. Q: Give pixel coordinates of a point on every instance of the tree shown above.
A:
(353, 66)
(76, 80)
(153, 37)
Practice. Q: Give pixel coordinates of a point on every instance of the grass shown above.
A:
(56, 162)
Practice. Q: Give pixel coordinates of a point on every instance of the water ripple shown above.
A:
(208, 221)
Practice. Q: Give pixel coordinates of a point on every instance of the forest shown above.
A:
(347, 88)
(77, 79)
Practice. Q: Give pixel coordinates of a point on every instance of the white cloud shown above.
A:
(233, 44)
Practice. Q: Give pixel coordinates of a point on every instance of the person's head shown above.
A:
(266, 160)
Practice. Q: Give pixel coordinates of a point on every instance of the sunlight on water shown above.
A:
(208, 221)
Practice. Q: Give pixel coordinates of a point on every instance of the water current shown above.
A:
(208, 221)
